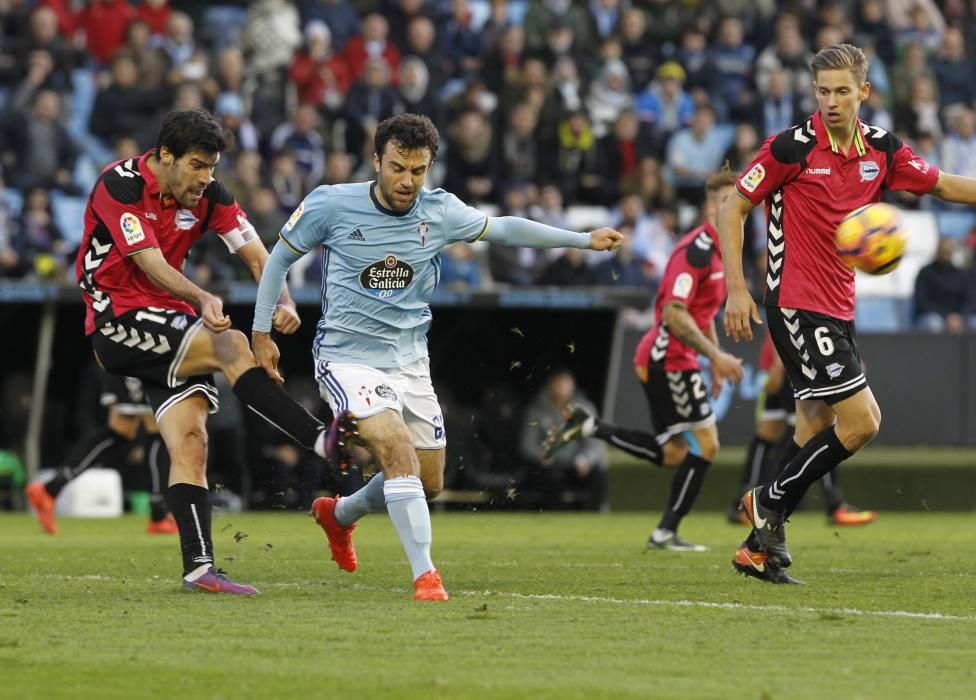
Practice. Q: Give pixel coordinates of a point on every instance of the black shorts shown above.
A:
(125, 394)
(678, 401)
(777, 406)
(150, 344)
(819, 353)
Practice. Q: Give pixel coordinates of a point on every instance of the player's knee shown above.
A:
(191, 448)
(856, 434)
(675, 452)
(231, 346)
(433, 485)
(709, 448)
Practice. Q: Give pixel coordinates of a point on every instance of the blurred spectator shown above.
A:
(38, 242)
(300, 136)
(461, 44)
(782, 107)
(543, 15)
(577, 160)
(922, 113)
(245, 178)
(124, 108)
(609, 95)
(954, 70)
(941, 293)
(636, 46)
(733, 60)
(39, 151)
(694, 153)
(103, 24)
(508, 264)
(693, 57)
(339, 15)
(42, 37)
(270, 35)
(568, 270)
(264, 215)
(504, 60)
(179, 46)
(459, 268)
(319, 73)
(652, 241)
(870, 21)
(229, 109)
(532, 87)
(579, 465)
(625, 268)
(414, 88)
(744, 147)
(549, 209)
(620, 152)
(151, 64)
(666, 20)
(422, 42)
(286, 181)
(913, 64)
(370, 100)
(400, 14)
(472, 166)
(372, 43)
(338, 168)
(664, 105)
(10, 265)
(648, 182)
(789, 53)
(605, 15)
(957, 153)
(925, 26)
(155, 13)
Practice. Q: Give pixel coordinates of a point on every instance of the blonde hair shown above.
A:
(841, 57)
(721, 178)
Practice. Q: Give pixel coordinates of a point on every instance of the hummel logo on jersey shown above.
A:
(357, 235)
(818, 171)
(834, 370)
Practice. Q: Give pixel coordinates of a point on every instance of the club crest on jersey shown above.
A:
(386, 278)
(385, 392)
(295, 216)
(423, 229)
(834, 370)
(682, 285)
(752, 179)
(869, 170)
(185, 220)
(131, 228)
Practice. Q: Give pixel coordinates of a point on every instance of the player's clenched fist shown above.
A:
(285, 319)
(605, 239)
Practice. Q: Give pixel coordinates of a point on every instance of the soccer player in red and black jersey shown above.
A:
(147, 320)
(667, 364)
(810, 177)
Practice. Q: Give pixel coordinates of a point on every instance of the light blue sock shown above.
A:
(368, 499)
(407, 506)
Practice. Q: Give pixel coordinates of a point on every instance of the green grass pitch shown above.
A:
(542, 606)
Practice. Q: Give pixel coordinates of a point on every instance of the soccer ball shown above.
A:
(872, 239)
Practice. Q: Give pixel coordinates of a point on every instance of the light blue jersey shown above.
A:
(379, 269)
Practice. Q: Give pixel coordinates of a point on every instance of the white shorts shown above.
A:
(365, 391)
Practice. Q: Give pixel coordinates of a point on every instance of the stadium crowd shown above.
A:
(543, 105)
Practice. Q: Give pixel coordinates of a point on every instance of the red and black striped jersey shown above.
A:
(809, 186)
(125, 215)
(695, 278)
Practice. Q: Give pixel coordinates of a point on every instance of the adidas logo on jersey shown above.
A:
(357, 235)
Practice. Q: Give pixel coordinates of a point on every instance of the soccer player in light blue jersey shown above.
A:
(381, 264)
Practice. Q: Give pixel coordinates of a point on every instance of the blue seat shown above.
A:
(880, 315)
(69, 215)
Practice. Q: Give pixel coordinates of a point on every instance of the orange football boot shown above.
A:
(429, 587)
(43, 504)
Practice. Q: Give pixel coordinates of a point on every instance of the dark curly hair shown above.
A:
(408, 132)
(191, 130)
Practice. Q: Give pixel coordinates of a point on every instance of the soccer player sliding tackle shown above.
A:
(379, 271)
(809, 178)
(667, 364)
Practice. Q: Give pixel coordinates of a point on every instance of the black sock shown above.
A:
(264, 396)
(104, 446)
(157, 461)
(634, 442)
(776, 461)
(821, 454)
(190, 505)
(755, 458)
(833, 494)
(685, 485)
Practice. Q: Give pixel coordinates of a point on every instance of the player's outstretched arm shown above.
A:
(168, 278)
(740, 307)
(516, 231)
(285, 318)
(955, 188)
(269, 291)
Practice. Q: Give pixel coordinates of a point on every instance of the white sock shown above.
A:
(660, 534)
(320, 444)
(407, 506)
(368, 499)
(198, 572)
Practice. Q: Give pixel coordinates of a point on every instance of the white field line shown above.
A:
(635, 602)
